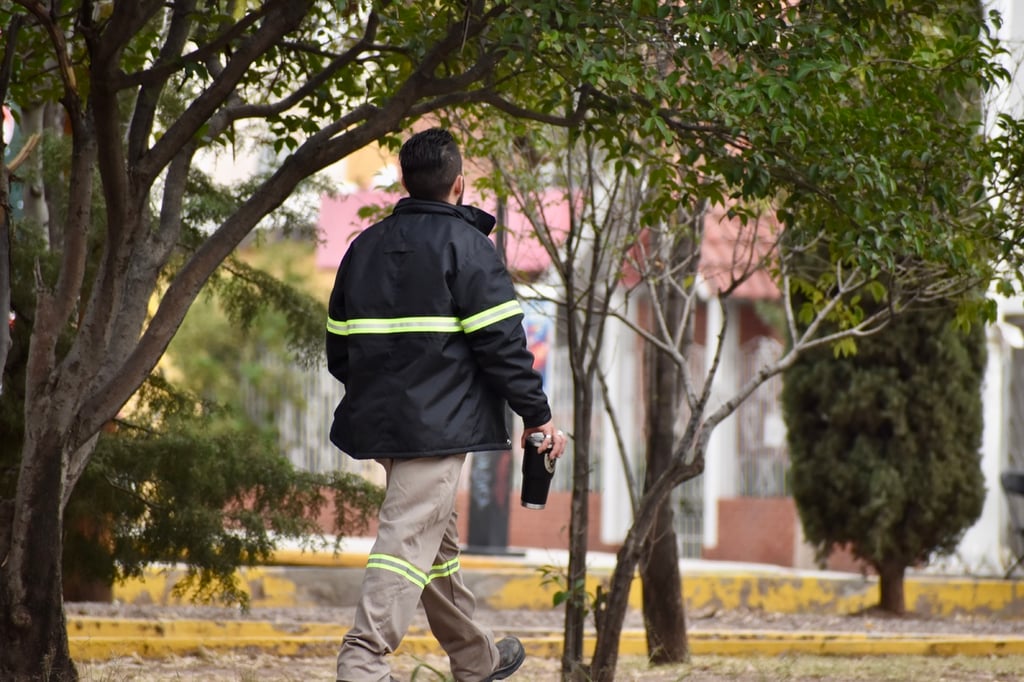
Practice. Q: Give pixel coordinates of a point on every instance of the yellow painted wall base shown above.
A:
(523, 588)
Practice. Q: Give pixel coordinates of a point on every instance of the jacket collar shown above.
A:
(478, 218)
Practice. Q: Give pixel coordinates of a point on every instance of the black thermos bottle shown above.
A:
(538, 470)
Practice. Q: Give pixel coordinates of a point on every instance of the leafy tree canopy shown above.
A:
(857, 122)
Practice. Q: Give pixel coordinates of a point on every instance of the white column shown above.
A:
(622, 363)
(720, 461)
(981, 551)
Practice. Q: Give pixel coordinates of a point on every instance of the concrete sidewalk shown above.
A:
(516, 582)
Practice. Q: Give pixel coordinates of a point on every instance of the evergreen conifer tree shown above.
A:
(884, 444)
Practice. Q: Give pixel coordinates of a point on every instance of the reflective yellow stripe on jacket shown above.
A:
(405, 325)
(490, 316)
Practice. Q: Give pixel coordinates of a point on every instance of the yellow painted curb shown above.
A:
(141, 628)
(836, 644)
(104, 639)
(108, 648)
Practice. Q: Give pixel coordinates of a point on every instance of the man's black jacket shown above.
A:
(426, 334)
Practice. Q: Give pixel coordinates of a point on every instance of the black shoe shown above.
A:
(511, 655)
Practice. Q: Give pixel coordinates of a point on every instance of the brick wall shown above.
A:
(762, 530)
(767, 530)
(759, 530)
(546, 528)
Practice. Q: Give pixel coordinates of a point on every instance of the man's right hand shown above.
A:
(554, 440)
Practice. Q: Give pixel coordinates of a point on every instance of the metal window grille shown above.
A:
(763, 456)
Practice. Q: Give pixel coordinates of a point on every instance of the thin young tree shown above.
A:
(566, 170)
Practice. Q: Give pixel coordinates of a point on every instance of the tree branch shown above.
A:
(71, 98)
(337, 64)
(7, 63)
(161, 71)
(566, 121)
(149, 90)
(54, 307)
(126, 19)
(282, 16)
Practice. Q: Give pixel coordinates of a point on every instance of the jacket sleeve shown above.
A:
(337, 333)
(492, 321)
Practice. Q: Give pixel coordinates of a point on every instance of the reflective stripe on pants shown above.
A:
(414, 558)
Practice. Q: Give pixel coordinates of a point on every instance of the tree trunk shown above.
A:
(33, 628)
(890, 584)
(5, 277)
(573, 668)
(35, 210)
(612, 615)
(664, 612)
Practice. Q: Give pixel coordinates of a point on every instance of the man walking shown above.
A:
(425, 332)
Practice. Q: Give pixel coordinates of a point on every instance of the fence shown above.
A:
(303, 419)
(688, 499)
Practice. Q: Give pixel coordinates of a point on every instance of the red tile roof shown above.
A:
(731, 252)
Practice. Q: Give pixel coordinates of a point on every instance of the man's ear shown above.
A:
(458, 190)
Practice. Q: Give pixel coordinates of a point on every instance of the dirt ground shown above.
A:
(249, 668)
(256, 665)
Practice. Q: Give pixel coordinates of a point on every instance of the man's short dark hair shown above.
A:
(430, 163)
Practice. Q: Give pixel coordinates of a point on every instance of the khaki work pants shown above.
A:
(416, 559)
